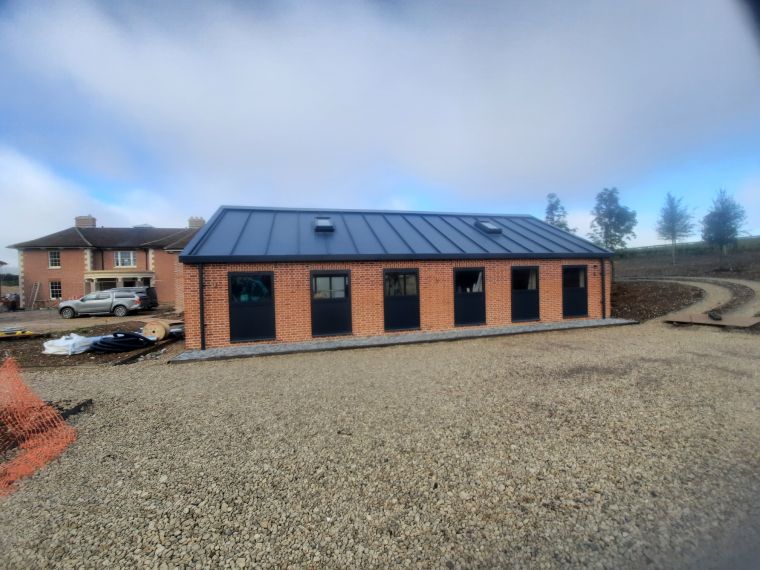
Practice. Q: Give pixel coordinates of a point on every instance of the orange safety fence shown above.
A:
(32, 433)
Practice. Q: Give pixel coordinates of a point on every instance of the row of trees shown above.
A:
(613, 224)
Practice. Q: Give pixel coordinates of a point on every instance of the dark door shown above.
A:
(402, 300)
(330, 304)
(469, 297)
(525, 294)
(574, 291)
(251, 306)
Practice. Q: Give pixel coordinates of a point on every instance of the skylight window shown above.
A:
(323, 224)
(487, 227)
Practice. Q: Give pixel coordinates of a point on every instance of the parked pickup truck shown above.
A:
(117, 303)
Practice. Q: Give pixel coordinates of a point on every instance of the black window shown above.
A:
(329, 286)
(330, 304)
(402, 299)
(400, 284)
(525, 278)
(574, 291)
(255, 288)
(469, 297)
(574, 277)
(468, 281)
(525, 300)
(251, 305)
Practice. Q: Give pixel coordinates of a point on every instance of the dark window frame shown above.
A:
(518, 267)
(576, 266)
(537, 289)
(585, 267)
(483, 292)
(231, 304)
(345, 299)
(232, 274)
(457, 269)
(330, 273)
(402, 271)
(413, 271)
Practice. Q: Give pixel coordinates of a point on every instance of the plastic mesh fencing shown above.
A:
(32, 433)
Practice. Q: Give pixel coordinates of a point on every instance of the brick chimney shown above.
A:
(85, 221)
(195, 222)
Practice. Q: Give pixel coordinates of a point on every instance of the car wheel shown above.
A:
(67, 313)
(120, 311)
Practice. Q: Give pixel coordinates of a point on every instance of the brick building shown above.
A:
(85, 258)
(282, 275)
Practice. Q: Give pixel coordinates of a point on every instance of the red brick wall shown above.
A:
(70, 274)
(436, 280)
(164, 266)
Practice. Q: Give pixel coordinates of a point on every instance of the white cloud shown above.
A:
(306, 102)
(38, 202)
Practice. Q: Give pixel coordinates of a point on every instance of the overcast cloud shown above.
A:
(359, 104)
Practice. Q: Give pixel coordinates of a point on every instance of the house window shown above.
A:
(55, 290)
(54, 259)
(525, 278)
(329, 286)
(400, 284)
(251, 288)
(468, 281)
(125, 259)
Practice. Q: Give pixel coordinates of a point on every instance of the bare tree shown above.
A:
(675, 222)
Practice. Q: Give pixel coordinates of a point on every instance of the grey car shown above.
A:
(117, 303)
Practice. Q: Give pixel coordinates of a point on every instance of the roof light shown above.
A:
(487, 227)
(323, 224)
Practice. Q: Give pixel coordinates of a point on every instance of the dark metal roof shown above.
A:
(245, 234)
(112, 238)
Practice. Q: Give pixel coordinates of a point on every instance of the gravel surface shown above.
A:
(628, 446)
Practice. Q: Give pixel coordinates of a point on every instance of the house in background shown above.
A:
(285, 275)
(85, 258)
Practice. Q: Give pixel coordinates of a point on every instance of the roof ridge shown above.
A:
(179, 231)
(367, 211)
(81, 235)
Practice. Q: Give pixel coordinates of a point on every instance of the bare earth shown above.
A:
(630, 446)
(48, 320)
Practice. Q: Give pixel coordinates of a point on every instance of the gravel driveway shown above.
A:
(627, 446)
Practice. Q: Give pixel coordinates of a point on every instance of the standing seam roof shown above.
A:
(239, 234)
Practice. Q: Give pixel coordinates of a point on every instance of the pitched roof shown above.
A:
(110, 238)
(240, 234)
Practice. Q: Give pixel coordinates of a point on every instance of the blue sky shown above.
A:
(150, 113)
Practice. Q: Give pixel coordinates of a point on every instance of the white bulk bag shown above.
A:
(69, 344)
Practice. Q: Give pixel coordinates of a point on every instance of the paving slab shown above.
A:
(387, 340)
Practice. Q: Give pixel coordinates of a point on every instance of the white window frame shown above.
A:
(117, 261)
(50, 261)
(60, 289)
